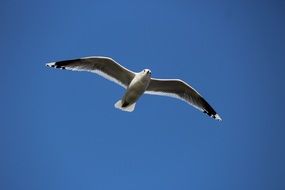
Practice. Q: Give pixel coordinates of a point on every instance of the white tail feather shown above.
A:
(129, 108)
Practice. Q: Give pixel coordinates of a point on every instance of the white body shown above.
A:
(134, 91)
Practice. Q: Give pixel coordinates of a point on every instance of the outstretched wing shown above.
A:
(179, 89)
(104, 66)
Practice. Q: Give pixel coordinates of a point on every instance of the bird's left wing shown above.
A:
(104, 66)
(179, 89)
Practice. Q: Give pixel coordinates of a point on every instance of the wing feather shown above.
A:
(179, 89)
(103, 66)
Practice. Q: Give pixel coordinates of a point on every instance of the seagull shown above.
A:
(137, 84)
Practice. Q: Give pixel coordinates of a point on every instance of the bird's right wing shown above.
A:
(104, 66)
(179, 89)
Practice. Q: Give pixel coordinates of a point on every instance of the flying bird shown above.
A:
(137, 84)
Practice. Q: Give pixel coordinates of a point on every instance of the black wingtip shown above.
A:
(213, 115)
(55, 65)
(51, 64)
(217, 117)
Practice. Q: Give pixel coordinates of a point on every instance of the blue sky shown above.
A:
(59, 129)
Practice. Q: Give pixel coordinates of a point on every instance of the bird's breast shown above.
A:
(136, 89)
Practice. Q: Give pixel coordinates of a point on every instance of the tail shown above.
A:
(128, 108)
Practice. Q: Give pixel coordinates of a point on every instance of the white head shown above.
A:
(146, 72)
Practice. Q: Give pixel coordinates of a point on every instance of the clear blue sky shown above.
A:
(59, 129)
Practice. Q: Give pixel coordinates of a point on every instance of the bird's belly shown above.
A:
(134, 92)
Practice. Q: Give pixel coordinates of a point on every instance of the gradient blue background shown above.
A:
(59, 129)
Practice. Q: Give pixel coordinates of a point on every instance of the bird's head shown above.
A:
(147, 72)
